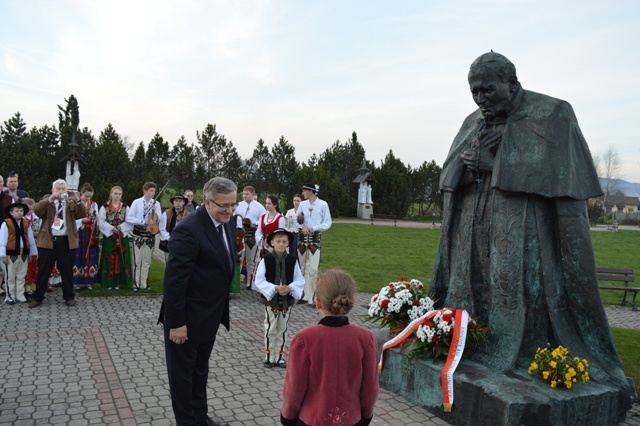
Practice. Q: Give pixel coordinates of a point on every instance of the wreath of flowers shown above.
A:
(558, 368)
(432, 339)
(402, 300)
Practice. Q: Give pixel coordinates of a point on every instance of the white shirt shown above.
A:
(316, 215)
(92, 210)
(252, 210)
(268, 289)
(4, 238)
(140, 209)
(107, 228)
(292, 220)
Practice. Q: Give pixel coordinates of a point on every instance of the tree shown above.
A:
(182, 166)
(425, 189)
(139, 164)
(40, 166)
(393, 194)
(259, 168)
(285, 166)
(112, 166)
(157, 159)
(608, 169)
(331, 189)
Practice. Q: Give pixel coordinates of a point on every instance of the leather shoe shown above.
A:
(71, 302)
(35, 303)
(208, 421)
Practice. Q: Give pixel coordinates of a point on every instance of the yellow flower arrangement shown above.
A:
(558, 368)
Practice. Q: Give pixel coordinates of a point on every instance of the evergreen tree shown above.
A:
(157, 160)
(259, 168)
(392, 192)
(182, 166)
(113, 167)
(425, 190)
(284, 168)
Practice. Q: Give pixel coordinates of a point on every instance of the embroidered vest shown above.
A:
(12, 242)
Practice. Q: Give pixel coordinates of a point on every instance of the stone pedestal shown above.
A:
(365, 210)
(484, 397)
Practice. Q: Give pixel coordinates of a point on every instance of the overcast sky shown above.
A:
(315, 71)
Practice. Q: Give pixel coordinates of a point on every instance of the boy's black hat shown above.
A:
(280, 231)
(7, 210)
(311, 186)
(178, 197)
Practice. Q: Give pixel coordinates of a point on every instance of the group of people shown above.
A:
(67, 234)
(198, 279)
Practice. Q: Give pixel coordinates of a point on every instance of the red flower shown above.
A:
(385, 303)
(387, 318)
(435, 339)
(420, 286)
(407, 286)
(416, 302)
(447, 317)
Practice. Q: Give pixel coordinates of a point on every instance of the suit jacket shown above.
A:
(198, 277)
(47, 212)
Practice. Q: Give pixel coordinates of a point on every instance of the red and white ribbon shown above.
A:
(455, 351)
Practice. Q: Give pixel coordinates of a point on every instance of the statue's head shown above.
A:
(494, 84)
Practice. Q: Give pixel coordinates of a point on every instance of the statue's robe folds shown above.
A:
(515, 247)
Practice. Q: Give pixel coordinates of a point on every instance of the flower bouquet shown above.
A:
(558, 368)
(399, 303)
(433, 338)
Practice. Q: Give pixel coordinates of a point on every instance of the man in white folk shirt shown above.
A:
(315, 218)
(140, 215)
(250, 211)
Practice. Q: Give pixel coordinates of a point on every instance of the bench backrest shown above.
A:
(615, 274)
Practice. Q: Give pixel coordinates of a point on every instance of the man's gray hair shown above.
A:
(58, 182)
(218, 185)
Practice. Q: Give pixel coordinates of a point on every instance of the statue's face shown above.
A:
(490, 93)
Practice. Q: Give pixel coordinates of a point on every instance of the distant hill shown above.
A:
(630, 189)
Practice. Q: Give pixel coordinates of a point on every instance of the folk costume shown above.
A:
(538, 283)
(293, 226)
(143, 241)
(16, 246)
(85, 271)
(264, 229)
(169, 219)
(277, 270)
(32, 269)
(115, 257)
(250, 213)
(317, 216)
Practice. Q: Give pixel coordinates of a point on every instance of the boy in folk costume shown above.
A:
(16, 245)
(280, 282)
(169, 219)
(139, 216)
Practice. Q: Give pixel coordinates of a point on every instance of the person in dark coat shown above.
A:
(197, 280)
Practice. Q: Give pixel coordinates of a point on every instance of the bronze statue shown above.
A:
(515, 247)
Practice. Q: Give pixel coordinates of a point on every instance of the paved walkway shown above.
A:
(102, 362)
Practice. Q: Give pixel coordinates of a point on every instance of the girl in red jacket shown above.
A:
(333, 373)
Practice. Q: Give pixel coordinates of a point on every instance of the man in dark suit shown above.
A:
(197, 280)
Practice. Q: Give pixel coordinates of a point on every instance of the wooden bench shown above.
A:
(613, 228)
(392, 217)
(619, 275)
